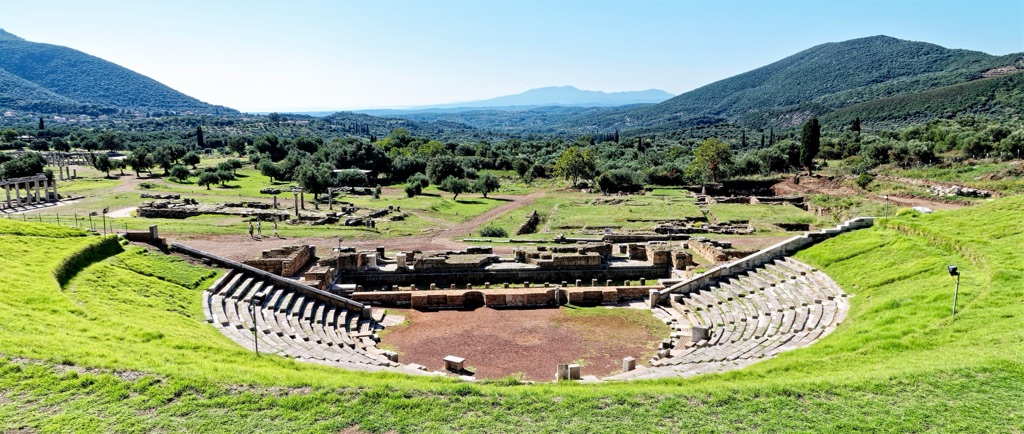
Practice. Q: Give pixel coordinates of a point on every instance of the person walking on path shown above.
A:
(250, 231)
(275, 230)
(259, 228)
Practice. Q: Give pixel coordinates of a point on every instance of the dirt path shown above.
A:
(906, 201)
(473, 224)
(241, 247)
(814, 185)
(123, 212)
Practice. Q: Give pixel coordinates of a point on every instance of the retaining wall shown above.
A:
(370, 279)
(503, 297)
(742, 265)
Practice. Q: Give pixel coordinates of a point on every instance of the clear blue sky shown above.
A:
(321, 55)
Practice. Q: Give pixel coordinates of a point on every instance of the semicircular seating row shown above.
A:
(294, 325)
(780, 306)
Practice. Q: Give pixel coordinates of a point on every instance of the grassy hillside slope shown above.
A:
(123, 347)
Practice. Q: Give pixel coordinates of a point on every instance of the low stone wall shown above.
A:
(503, 297)
(453, 262)
(166, 213)
(569, 260)
(383, 279)
(641, 238)
(742, 265)
(711, 253)
(777, 200)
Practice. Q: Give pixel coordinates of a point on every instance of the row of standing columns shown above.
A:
(39, 183)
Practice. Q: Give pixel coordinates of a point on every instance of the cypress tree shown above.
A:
(810, 141)
(199, 137)
(40, 123)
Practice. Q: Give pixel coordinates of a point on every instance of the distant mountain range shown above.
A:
(561, 96)
(45, 78)
(879, 79)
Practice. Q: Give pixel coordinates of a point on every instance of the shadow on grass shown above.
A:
(229, 187)
(92, 254)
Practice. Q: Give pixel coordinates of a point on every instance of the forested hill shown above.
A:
(812, 82)
(49, 78)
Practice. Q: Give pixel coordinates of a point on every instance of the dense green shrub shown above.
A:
(863, 180)
(493, 232)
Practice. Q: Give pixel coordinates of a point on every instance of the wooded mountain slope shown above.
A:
(60, 79)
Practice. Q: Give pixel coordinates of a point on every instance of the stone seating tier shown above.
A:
(291, 324)
(779, 306)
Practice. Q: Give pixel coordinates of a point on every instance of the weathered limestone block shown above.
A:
(574, 372)
(681, 259)
(495, 299)
(539, 298)
(628, 364)
(659, 254)
(454, 363)
(562, 372)
(637, 252)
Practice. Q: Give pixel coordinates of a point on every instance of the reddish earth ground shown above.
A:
(499, 343)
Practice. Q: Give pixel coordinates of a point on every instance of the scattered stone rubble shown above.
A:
(956, 190)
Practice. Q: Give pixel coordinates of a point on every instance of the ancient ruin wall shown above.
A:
(286, 261)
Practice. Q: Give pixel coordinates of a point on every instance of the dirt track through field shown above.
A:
(813, 185)
(241, 247)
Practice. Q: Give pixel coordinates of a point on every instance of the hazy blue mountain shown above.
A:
(565, 96)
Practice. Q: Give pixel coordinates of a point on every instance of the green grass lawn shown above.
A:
(123, 347)
(110, 193)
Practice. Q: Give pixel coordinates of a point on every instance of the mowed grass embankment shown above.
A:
(125, 348)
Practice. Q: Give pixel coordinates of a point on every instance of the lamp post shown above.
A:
(256, 300)
(954, 272)
(886, 197)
